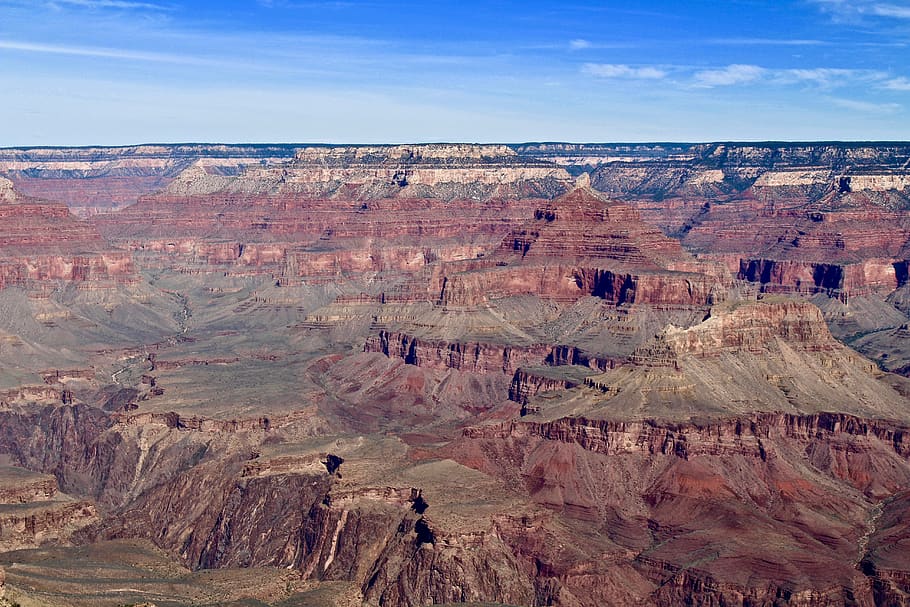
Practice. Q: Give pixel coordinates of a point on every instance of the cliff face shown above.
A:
(751, 328)
(446, 171)
(581, 244)
(411, 375)
(796, 218)
(655, 501)
(32, 511)
(94, 180)
(582, 224)
(473, 357)
(42, 242)
(671, 496)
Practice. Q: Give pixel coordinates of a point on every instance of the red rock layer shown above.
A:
(581, 224)
(298, 238)
(87, 196)
(843, 245)
(464, 356)
(42, 241)
(710, 513)
(580, 245)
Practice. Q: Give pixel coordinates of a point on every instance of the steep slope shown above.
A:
(413, 375)
(745, 357)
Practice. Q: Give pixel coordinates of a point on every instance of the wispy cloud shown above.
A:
(616, 70)
(820, 77)
(732, 74)
(865, 106)
(829, 77)
(117, 4)
(891, 10)
(767, 42)
(106, 53)
(579, 44)
(851, 10)
(898, 84)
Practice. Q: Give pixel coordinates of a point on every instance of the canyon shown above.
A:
(402, 375)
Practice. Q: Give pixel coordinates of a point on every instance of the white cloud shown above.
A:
(579, 44)
(829, 77)
(767, 42)
(820, 75)
(866, 106)
(898, 84)
(848, 10)
(616, 70)
(108, 53)
(891, 10)
(732, 74)
(125, 4)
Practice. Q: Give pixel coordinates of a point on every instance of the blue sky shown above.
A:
(85, 72)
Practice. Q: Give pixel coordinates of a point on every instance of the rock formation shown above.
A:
(42, 241)
(32, 511)
(447, 171)
(427, 374)
(98, 179)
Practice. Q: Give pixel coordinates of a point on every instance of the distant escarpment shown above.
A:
(339, 209)
(42, 242)
(100, 179)
(584, 244)
(774, 170)
(801, 218)
(446, 171)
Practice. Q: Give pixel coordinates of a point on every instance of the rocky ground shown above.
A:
(548, 374)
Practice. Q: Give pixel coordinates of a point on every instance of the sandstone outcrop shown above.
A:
(426, 374)
(447, 171)
(674, 497)
(32, 511)
(92, 180)
(42, 241)
(785, 360)
(7, 191)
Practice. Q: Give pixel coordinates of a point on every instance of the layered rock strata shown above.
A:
(32, 511)
(42, 242)
(581, 244)
(92, 180)
(669, 497)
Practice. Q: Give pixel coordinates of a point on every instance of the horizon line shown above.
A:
(289, 144)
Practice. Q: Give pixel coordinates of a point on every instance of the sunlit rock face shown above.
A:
(542, 374)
